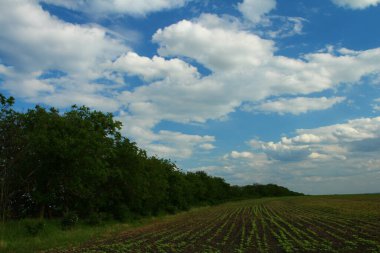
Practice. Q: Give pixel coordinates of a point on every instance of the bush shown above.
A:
(171, 209)
(122, 213)
(33, 228)
(95, 219)
(69, 220)
(185, 207)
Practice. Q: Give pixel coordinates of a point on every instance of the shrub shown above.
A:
(33, 228)
(185, 207)
(171, 209)
(95, 219)
(122, 213)
(69, 220)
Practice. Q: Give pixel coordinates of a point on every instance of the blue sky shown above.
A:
(254, 91)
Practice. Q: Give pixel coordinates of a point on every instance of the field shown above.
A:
(294, 224)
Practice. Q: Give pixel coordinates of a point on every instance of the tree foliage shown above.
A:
(54, 164)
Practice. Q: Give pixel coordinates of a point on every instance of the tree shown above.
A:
(52, 163)
(10, 149)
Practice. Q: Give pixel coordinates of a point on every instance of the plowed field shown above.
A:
(297, 224)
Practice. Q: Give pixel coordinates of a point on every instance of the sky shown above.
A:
(254, 91)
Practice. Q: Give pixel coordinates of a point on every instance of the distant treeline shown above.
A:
(53, 163)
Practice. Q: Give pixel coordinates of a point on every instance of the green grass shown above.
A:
(347, 223)
(15, 238)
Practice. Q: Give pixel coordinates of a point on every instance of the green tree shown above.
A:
(77, 162)
(9, 150)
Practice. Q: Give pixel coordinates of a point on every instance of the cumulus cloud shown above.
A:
(335, 141)
(33, 42)
(286, 27)
(256, 15)
(178, 145)
(236, 154)
(4, 70)
(251, 59)
(254, 10)
(295, 106)
(356, 4)
(317, 174)
(231, 49)
(359, 63)
(281, 151)
(244, 68)
(335, 158)
(153, 69)
(376, 105)
(242, 168)
(207, 146)
(64, 98)
(129, 7)
(353, 130)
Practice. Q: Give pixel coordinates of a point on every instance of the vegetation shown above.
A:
(76, 166)
(16, 237)
(292, 224)
(66, 177)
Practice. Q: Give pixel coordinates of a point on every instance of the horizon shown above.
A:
(251, 91)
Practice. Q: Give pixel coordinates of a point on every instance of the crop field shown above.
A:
(294, 224)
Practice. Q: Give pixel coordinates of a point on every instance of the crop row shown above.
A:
(269, 225)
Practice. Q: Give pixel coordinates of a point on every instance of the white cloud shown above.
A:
(376, 105)
(33, 42)
(250, 59)
(212, 21)
(254, 10)
(335, 141)
(163, 143)
(178, 145)
(339, 158)
(349, 67)
(295, 106)
(244, 69)
(66, 98)
(216, 170)
(4, 70)
(247, 155)
(153, 69)
(282, 152)
(353, 130)
(318, 156)
(356, 4)
(129, 7)
(207, 146)
(375, 79)
(288, 26)
(317, 174)
(303, 139)
(230, 49)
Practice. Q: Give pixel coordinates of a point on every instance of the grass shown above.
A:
(304, 224)
(14, 237)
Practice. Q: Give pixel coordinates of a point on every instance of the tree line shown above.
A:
(53, 163)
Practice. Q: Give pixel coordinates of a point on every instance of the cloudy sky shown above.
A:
(254, 91)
